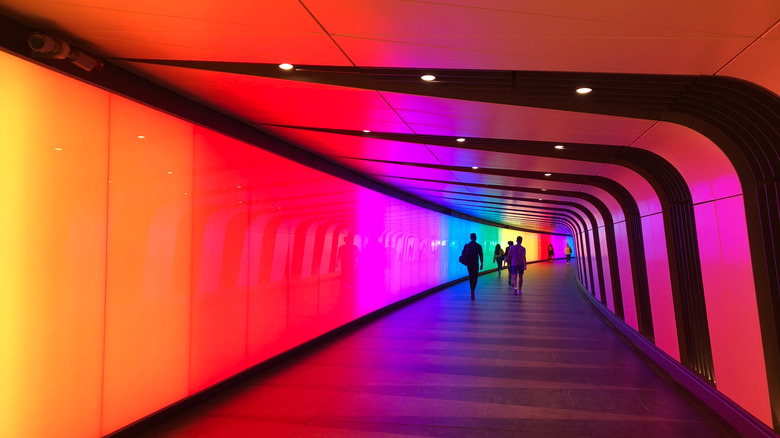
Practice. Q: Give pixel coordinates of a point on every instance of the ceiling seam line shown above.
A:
(730, 61)
(308, 11)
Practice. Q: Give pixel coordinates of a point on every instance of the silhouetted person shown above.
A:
(474, 259)
(347, 257)
(517, 255)
(498, 257)
(567, 251)
(550, 252)
(508, 260)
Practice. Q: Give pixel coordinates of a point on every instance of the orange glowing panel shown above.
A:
(53, 190)
(149, 251)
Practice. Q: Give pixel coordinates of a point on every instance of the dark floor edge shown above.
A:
(737, 417)
(147, 423)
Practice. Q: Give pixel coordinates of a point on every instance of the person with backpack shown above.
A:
(474, 259)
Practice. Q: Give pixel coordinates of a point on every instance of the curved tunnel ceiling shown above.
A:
(329, 91)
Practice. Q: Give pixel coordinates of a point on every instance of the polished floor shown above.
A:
(538, 365)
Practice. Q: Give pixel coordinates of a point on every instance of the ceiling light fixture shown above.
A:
(366, 131)
(57, 149)
(475, 167)
(141, 136)
(584, 90)
(548, 174)
(558, 146)
(544, 190)
(460, 140)
(286, 66)
(428, 78)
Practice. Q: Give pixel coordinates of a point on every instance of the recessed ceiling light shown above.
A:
(544, 190)
(540, 199)
(584, 90)
(57, 149)
(141, 136)
(474, 167)
(428, 77)
(558, 146)
(286, 66)
(238, 187)
(366, 131)
(170, 173)
(460, 140)
(548, 174)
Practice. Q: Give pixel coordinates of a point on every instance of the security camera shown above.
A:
(46, 46)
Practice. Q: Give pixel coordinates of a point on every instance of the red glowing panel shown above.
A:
(219, 280)
(53, 191)
(149, 268)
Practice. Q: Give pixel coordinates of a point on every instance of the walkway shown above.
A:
(540, 365)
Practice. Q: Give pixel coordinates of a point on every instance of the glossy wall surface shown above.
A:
(145, 258)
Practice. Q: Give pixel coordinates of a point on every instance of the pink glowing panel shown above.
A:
(438, 116)
(626, 279)
(612, 204)
(219, 281)
(606, 267)
(595, 289)
(731, 305)
(148, 271)
(707, 171)
(660, 283)
(640, 189)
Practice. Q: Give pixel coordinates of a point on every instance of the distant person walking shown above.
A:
(474, 261)
(567, 251)
(517, 255)
(498, 258)
(550, 252)
(508, 261)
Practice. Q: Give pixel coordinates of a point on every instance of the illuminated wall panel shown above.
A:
(53, 192)
(606, 268)
(660, 284)
(220, 224)
(731, 305)
(626, 276)
(148, 270)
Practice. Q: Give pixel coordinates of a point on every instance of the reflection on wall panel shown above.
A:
(149, 258)
(53, 190)
(148, 270)
(731, 305)
(660, 284)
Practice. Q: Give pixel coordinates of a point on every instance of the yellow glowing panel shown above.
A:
(53, 169)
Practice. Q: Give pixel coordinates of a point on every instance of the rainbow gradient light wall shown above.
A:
(144, 258)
